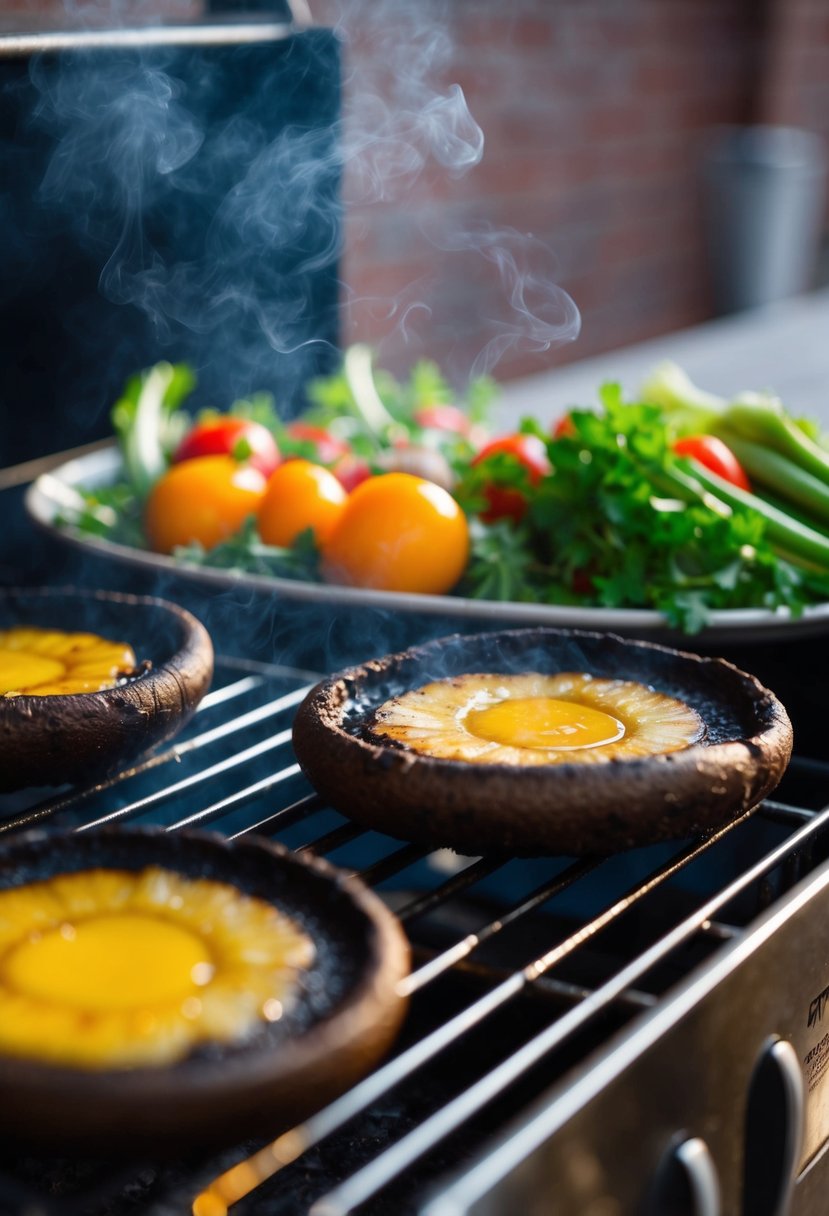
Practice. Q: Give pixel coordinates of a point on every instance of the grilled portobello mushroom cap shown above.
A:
(569, 807)
(341, 1020)
(53, 740)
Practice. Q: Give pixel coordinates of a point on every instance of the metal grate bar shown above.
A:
(228, 692)
(462, 949)
(217, 809)
(632, 997)
(366, 1182)
(719, 931)
(178, 787)
(274, 671)
(467, 877)
(286, 817)
(52, 807)
(811, 765)
(396, 862)
(253, 717)
(783, 812)
(548, 985)
(231, 1186)
(332, 840)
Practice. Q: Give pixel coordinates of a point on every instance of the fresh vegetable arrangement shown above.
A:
(678, 501)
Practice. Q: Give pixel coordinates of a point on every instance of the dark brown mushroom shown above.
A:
(62, 739)
(344, 1019)
(567, 808)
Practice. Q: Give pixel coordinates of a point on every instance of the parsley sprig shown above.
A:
(607, 529)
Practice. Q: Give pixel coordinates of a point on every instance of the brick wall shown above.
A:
(16, 15)
(794, 88)
(595, 114)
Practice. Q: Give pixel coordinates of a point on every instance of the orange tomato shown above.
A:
(398, 533)
(300, 495)
(205, 499)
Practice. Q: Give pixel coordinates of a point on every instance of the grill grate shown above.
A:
(521, 968)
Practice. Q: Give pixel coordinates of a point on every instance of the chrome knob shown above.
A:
(686, 1183)
(773, 1132)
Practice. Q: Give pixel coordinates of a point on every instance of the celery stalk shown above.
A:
(783, 477)
(797, 540)
(144, 421)
(689, 409)
(761, 419)
(357, 367)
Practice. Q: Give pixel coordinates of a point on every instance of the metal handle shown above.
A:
(695, 1158)
(686, 1182)
(791, 1077)
(774, 1131)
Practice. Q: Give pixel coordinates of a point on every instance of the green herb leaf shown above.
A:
(246, 553)
(148, 422)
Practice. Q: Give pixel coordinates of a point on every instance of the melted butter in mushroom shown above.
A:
(48, 662)
(533, 719)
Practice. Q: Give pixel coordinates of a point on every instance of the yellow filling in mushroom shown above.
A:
(108, 962)
(110, 968)
(47, 662)
(543, 722)
(533, 719)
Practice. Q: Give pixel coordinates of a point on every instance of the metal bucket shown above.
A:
(764, 191)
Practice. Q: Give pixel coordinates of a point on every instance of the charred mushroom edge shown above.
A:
(63, 739)
(229, 1092)
(568, 808)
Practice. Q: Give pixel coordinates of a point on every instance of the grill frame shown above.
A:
(782, 879)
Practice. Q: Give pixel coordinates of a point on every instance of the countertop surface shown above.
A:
(783, 347)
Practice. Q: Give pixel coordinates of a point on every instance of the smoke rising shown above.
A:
(538, 314)
(170, 201)
(204, 189)
(408, 135)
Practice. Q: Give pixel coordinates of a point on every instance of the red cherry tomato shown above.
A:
(505, 501)
(716, 456)
(451, 420)
(247, 441)
(582, 581)
(350, 471)
(564, 428)
(327, 447)
(444, 418)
